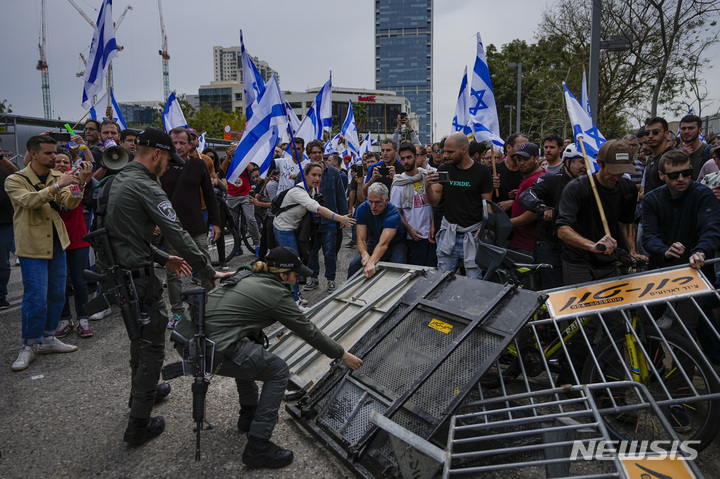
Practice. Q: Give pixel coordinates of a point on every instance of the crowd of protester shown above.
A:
(405, 204)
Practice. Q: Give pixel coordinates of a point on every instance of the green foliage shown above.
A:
(361, 115)
(206, 118)
(5, 107)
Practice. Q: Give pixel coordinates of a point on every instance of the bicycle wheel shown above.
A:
(701, 415)
(232, 243)
(243, 234)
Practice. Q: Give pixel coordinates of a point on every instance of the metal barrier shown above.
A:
(420, 362)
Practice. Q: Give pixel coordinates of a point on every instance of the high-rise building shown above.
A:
(227, 65)
(403, 54)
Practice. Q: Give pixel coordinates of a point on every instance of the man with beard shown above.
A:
(468, 184)
(509, 173)
(657, 142)
(409, 195)
(542, 198)
(523, 238)
(698, 151)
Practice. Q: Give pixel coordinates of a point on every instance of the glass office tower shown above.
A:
(403, 55)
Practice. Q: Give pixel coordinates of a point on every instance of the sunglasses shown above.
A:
(437, 151)
(654, 131)
(676, 174)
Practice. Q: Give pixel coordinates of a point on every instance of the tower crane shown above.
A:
(43, 67)
(164, 54)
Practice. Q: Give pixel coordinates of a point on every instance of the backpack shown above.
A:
(276, 204)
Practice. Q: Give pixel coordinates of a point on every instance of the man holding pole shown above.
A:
(596, 216)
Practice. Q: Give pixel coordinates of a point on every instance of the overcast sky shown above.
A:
(301, 40)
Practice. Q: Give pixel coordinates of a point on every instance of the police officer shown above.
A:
(136, 203)
(239, 311)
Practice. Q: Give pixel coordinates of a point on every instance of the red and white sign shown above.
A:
(368, 99)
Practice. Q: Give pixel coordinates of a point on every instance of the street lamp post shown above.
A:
(510, 110)
(518, 65)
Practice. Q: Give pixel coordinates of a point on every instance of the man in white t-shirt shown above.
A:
(408, 194)
(289, 166)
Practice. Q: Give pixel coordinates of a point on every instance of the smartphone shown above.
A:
(359, 170)
(60, 136)
(443, 176)
(384, 170)
(403, 115)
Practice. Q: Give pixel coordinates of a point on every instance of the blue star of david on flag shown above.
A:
(479, 104)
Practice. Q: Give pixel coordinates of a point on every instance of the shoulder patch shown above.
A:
(167, 210)
(158, 192)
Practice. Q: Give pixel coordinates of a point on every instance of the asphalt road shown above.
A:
(70, 422)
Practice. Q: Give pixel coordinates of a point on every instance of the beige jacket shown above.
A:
(34, 217)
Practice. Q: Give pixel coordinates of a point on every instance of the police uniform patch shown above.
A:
(167, 210)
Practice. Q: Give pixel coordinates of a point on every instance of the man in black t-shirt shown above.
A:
(579, 225)
(469, 183)
(509, 173)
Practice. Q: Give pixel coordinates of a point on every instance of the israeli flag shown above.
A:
(350, 133)
(120, 120)
(202, 143)
(583, 127)
(262, 133)
(319, 117)
(172, 114)
(584, 99)
(365, 147)
(253, 84)
(101, 101)
(102, 50)
(332, 145)
(481, 106)
(462, 120)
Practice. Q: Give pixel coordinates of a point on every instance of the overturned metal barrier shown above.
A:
(420, 362)
(345, 316)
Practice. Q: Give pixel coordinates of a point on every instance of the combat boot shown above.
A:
(140, 431)
(264, 453)
(247, 414)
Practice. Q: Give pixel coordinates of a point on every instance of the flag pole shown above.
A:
(81, 119)
(299, 160)
(492, 151)
(594, 188)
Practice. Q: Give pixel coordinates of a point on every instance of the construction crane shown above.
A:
(164, 54)
(43, 67)
(81, 74)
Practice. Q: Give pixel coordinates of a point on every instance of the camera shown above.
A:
(443, 176)
(359, 169)
(403, 115)
(60, 137)
(384, 170)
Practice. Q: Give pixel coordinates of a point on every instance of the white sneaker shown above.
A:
(26, 356)
(55, 346)
(100, 315)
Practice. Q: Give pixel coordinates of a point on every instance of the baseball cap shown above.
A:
(155, 138)
(570, 153)
(286, 259)
(617, 156)
(527, 150)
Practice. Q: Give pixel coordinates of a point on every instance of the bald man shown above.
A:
(468, 184)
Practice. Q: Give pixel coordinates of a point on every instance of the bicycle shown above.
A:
(670, 365)
(227, 245)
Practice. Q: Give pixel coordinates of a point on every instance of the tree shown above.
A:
(5, 107)
(668, 37)
(361, 115)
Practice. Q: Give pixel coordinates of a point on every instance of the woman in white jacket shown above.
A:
(295, 205)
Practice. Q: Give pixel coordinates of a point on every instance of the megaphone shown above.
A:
(114, 157)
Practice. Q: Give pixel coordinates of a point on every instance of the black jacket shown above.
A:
(545, 194)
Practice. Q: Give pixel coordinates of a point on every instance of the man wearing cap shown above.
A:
(579, 225)
(135, 203)
(542, 198)
(235, 317)
(523, 238)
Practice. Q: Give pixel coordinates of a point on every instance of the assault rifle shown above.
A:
(118, 287)
(198, 354)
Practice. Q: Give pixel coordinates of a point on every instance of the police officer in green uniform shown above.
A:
(136, 203)
(239, 311)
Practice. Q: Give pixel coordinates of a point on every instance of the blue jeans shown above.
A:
(6, 244)
(396, 253)
(77, 262)
(456, 257)
(287, 238)
(327, 236)
(44, 295)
